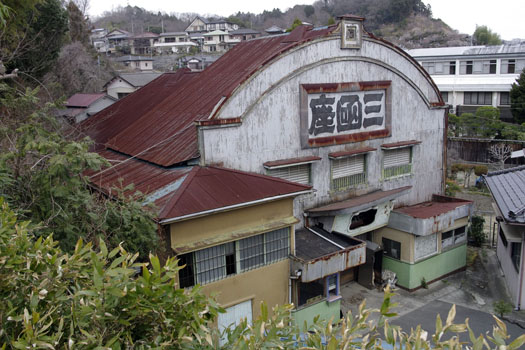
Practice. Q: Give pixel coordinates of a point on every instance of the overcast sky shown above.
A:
(504, 17)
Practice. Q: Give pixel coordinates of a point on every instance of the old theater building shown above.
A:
(303, 160)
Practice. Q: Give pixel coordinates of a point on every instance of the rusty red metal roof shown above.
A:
(291, 161)
(83, 100)
(352, 152)
(209, 188)
(145, 177)
(437, 206)
(156, 123)
(400, 144)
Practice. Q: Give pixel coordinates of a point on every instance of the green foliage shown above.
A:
(309, 10)
(476, 232)
(91, 298)
(485, 123)
(34, 34)
(451, 188)
(424, 283)
(502, 307)
(42, 176)
(517, 99)
(481, 170)
(296, 23)
(331, 21)
(484, 36)
(94, 299)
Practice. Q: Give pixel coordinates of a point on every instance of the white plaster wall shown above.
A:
(119, 86)
(269, 106)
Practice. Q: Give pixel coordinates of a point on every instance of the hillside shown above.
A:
(407, 23)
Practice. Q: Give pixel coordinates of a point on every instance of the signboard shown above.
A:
(344, 112)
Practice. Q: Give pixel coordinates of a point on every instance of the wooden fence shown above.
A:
(472, 150)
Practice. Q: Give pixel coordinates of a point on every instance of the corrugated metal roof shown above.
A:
(146, 178)
(83, 100)
(156, 123)
(208, 188)
(359, 201)
(508, 190)
(437, 206)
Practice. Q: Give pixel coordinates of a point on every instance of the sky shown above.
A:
(503, 16)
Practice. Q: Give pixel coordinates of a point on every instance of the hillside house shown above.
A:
(345, 134)
(81, 106)
(136, 63)
(126, 83)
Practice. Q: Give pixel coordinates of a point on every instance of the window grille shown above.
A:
(215, 263)
(348, 172)
(397, 162)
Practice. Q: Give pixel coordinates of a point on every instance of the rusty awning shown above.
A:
(358, 203)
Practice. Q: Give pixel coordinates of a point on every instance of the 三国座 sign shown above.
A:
(345, 112)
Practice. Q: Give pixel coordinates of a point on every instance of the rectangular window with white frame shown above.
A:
(215, 263)
(397, 162)
(348, 172)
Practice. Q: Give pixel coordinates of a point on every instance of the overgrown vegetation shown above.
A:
(502, 307)
(94, 299)
(42, 177)
(517, 99)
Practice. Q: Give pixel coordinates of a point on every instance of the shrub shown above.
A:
(481, 170)
(502, 307)
(475, 231)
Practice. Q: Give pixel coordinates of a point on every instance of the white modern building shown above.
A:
(473, 76)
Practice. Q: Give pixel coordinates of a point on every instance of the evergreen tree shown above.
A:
(517, 99)
(78, 25)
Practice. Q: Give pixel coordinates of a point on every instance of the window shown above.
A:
(477, 98)
(508, 66)
(295, 173)
(215, 263)
(466, 67)
(492, 67)
(452, 68)
(122, 94)
(504, 98)
(444, 95)
(348, 172)
(397, 162)
(392, 248)
(453, 237)
(169, 40)
(515, 254)
(322, 289)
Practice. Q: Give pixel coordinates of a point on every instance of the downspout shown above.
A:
(445, 148)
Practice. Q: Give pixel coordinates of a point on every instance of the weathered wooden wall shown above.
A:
(477, 150)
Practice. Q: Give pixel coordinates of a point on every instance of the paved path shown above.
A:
(473, 291)
(480, 322)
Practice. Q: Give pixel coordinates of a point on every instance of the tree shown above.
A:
(78, 25)
(42, 176)
(484, 36)
(309, 10)
(517, 99)
(33, 35)
(500, 152)
(296, 23)
(488, 121)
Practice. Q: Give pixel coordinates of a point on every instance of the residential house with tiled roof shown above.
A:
(126, 83)
(292, 157)
(81, 106)
(508, 191)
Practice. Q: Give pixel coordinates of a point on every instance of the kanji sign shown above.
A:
(345, 113)
(336, 113)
